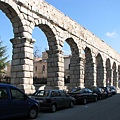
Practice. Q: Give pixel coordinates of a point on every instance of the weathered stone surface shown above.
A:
(85, 68)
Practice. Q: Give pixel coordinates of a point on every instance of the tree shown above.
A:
(37, 52)
(3, 58)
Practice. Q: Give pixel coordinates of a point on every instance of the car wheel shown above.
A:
(95, 99)
(53, 108)
(71, 104)
(33, 113)
(84, 101)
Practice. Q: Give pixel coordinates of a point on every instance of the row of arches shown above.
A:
(105, 72)
(87, 67)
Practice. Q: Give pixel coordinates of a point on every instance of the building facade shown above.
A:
(40, 68)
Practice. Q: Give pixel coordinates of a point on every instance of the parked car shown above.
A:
(53, 99)
(84, 95)
(15, 103)
(75, 89)
(113, 89)
(108, 91)
(100, 92)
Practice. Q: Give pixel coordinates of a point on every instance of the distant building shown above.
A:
(40, 68)
(67, 68)
(8, 70)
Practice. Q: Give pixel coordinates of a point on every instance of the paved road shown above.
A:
(107, 109)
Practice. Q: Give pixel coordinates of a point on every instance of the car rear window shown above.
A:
(41, 93)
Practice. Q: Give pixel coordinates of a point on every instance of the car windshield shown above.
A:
(41, 93)
(112, 87)
(75, 89)
(79, 91)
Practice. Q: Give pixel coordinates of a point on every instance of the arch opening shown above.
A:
(119, 76)
(6, 33)
(100, 71)
(74, 64)
(67, 56)
(114, 74)
(89, 68)
(108, 72)
(40, 56)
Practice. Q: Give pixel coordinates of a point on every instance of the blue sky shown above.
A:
(101, 17)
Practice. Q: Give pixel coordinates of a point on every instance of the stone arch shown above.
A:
(55, 65)
(108, 72)
(73, 46)
(52, 50)
(13, 14)
(119, 76)
(22, 58)
(89, 68)
(99, 70)
(50, 36)
(114, 74)
(75, 64)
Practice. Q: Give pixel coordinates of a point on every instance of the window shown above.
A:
(52, 94)
(3, 94)
(89, 91)
(43, 68)
(17, 95)
(85, 91)
(63, 94)
(69, 67)
(55, 94)
(41, 93)
(35, 68)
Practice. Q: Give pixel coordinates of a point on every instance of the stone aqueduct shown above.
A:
(99, 66)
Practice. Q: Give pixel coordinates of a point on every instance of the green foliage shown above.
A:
(3, 57)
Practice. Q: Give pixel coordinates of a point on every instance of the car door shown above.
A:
(64, 99)
(5, 107)
(56, 98)
(91, 95)
(19, 102)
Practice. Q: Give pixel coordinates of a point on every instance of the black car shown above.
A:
(100, 92)
(53, 99)
(113, 89)
(15, 103)
(84, 95)
(108, 91)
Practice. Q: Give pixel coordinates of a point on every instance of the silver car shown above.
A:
(53, 99)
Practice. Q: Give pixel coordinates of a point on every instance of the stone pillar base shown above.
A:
(28, 89)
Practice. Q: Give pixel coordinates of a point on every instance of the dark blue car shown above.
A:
(15, 103)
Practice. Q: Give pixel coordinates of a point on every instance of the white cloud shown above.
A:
(111, 34)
